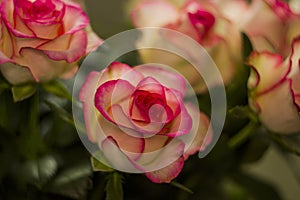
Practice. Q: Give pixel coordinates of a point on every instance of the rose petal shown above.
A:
(199, 131)
(118, 70)
(45, 31)
(71, 25)
(117, 159)
(131, 146)
(41, 67)
(67, 47)
(167, 161)
(278, 111)
(111, 93)
(169, 79)
(86, 96)
(168, 173)
(295, 66)
(154, 13)
(267, 72)
(93, 40)
(180, 125)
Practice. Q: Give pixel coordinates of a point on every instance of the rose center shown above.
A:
(143, 102)
(39, 9)
(202, 20)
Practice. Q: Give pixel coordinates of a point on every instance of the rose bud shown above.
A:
(274, 92)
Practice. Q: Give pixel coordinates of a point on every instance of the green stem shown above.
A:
(243, 135)
(182, 187)
(284, 144)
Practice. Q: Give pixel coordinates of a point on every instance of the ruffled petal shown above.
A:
(41, 67)
(278, 111)
(200, 132)
(112, 93)
(268, 71)
(180, 125)
(168, 173)
(86, 96)
(67, 47)
(167, 78)
(116, 158)
(74, 12)
(117, 70)
(130, 145)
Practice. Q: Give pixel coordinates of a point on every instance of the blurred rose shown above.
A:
(274, 89)
(270, 24)
(43, 39)
(139, 120)
(202, 21)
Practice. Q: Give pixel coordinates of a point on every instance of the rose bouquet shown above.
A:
(149, 99)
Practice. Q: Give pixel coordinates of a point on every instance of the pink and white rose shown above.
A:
(43, 39)
(139, 119)
(274, 89)
(201, 20)
(270, 24)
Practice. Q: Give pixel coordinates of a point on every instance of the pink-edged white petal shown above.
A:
(132, 146)
(163, 165)
(67, 47)
(200, 134)
(180, 125)
(167, 78)
(93, 40)
(278, 111)
(154, 13)
(116, 158)
(295, 65)
(74, 12)
(86, 96)
(267, 72)
(117, 70)
(168, 173)
(41, 67)
(111, 93)
(45, 31)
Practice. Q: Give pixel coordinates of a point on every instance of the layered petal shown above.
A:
(41, 67)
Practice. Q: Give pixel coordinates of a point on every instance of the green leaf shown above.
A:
(114, 188)
(4, 86)
(58, 89)
(63, 114)
(99, 166)
(72, 174)
(22, 92)
(73, 182)
(247, 46)
(38, 171)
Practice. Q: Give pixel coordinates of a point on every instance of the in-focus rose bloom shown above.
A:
(201, 20)
(274, 89)
(139, 120)
(270, 24)
(43, 39)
